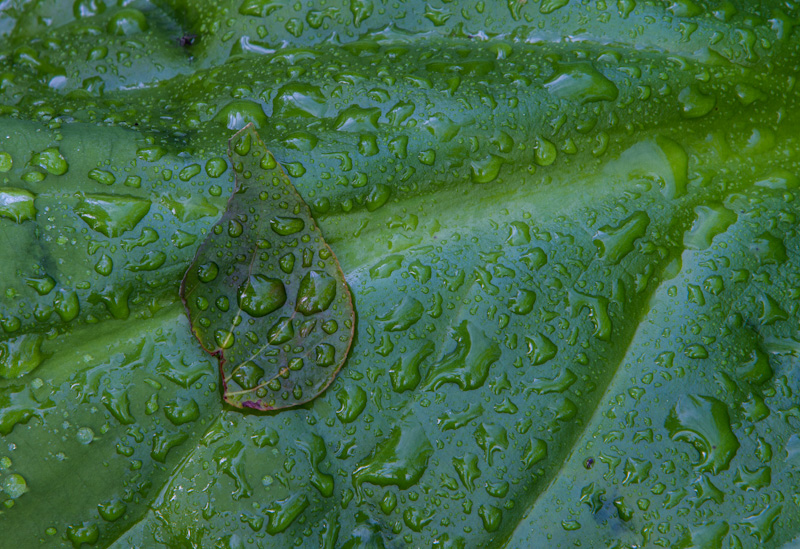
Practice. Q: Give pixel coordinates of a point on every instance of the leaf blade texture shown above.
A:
(570, 233)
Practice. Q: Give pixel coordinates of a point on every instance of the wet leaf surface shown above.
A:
(570, 233)
(265, 293)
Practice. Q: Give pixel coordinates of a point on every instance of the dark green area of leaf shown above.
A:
(265, 293)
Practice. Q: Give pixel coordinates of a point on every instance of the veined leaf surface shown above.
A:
(570, 233)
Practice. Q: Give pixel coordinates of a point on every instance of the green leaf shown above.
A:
(570, 233)
(265, 293)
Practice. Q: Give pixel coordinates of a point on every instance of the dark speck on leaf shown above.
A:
(187, 39)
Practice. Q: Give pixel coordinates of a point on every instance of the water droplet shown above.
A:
(126, 22)
(711, 221)
(756, 369)
(694, 103)
(6, 162)
(281, 513)
(753, 480)
(316, 292)
(325, 354)
(486, 169)
(216, 166)
(104, 266)
(704, 423)
(224, 339)
(403, 315)
(386, 266)
(239, 113)
(21, 355)
(491, 516)
(187, 173)
(118, 404)
(762, 525)
(207, 272)
(769, 249)
(357, 119)
(86, 532)
(557, 384)
(581, 82)
(182, 410)
(399, 460)
(662, 160)
(404, 374)
(615, 242)
(546, 152)
(248, 375)
(285, 226)
(281, 332)
(378, 196)
(534, 452)
(301, 140)
(14, 485)
(352, 400)
(296, 99)
(17, 204)
(361, 10)
(66, 304)
(598, 312)
(779, 178)
(112, 510)
(51, 160)
(468, 364)
(491, 438)
(102, 176)
(111, 215)
(85, 435)
(522, 303)
(467, 469)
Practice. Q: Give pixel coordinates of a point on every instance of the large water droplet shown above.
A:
(126, 22)
(298, 99)
(17, 204)
(20, 355)
(51, 160)
(582, 83)
(285, 226)
(239, 113)
(281, 513)
(316, 292)
(704, 423)
(14, 486)
(111, 215)
(694, 103)
(261, 295)
(615, 242)
(399, 460)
